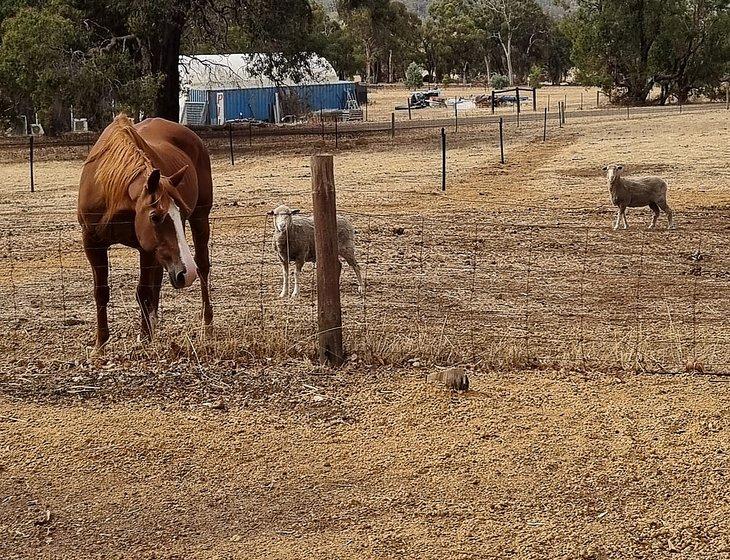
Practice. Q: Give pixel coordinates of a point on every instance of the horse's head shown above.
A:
(159, 226)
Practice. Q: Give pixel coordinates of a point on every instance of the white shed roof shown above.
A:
(238, 71)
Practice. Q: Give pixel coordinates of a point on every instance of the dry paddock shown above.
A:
(598, 424)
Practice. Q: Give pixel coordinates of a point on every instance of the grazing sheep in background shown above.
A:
(294, 242)
(636, 192)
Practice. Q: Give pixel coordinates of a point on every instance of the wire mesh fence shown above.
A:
(468, 287)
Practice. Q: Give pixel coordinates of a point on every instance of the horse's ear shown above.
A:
(178, 176)
(153, 181)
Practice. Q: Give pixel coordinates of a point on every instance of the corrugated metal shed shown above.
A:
(258, 103)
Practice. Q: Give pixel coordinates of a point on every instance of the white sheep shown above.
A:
(294, 242)
(635, 192)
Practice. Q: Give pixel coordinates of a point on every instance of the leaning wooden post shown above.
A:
(544, 126)
(517, 95)
(329, 311)
(534, 100)
(597, 94)
(392, 125)
(492, 101)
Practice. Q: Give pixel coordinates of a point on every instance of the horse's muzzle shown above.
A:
(182, 278)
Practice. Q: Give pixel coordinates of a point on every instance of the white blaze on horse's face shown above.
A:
(191, 270)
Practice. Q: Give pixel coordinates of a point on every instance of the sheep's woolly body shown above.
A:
(294, 242)
(634, 192)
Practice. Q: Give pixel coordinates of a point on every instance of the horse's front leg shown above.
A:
(148, 293)
(98, 257)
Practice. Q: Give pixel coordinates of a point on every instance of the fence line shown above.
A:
(435, 290)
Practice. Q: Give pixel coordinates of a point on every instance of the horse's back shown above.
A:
(178, 143)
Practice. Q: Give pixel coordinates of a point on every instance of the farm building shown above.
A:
(216, 89)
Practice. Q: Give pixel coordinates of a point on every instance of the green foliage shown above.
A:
(535, 76)
(95, 55)
(387, 36)
(629, 46)
(499, 81)
(414, 75)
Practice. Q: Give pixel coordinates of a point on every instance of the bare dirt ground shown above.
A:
(232, 445)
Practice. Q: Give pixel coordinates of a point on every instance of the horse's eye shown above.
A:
(156, 218)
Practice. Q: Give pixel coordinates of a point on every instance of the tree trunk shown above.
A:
(463, 73)
(489, 72)
(508, 56)
(368, 63)
(390, 67)
(164, 57)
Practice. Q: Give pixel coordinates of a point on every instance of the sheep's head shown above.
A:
(613, 172)
(282, 216)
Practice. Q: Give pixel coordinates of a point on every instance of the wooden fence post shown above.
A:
(456, 114)
(32, 177)
(409, 107)
(443, 159)
(230, 142)
(534, 99)
(329, 311)
(492, 101)
(517, 95)
(544, 126)
(597, 94)
(501, 142)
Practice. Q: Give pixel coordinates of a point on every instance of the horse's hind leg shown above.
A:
(200, 228)
(98, 257)
(148, 293)
(655, 211)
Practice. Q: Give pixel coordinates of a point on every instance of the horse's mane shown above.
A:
(121, 159)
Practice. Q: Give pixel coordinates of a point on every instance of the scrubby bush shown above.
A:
(535, 76)
(414, 76)
(499, 81)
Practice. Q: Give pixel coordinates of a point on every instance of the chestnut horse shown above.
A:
(138, 186)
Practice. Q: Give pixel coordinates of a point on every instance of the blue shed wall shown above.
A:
(258, 103)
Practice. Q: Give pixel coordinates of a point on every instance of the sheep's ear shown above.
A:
(605, 167)
(270, 213)
(295, 211)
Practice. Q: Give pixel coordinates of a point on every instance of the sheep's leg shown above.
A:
(668, 211)
(655, 211)
(617, 223)
(349, 256)
(623, 215)
(284, 279)
(297, 271)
